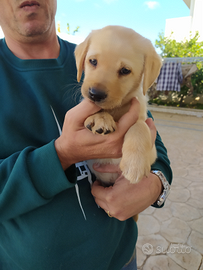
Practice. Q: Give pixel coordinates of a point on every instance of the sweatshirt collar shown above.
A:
(35, 63)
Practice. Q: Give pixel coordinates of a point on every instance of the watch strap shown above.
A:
(166, 188)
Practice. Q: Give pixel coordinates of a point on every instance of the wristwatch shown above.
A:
(166, 187)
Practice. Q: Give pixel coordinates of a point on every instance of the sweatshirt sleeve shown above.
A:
(30, 179)
(162, 162)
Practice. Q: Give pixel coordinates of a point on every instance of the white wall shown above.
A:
(196, 11)
(1, 33)
(179, 27)
(183, 26)
(73, 39)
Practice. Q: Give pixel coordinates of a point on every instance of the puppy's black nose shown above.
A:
(97, 95)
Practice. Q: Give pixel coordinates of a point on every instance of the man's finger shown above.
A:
(83, 110)
(98, 190)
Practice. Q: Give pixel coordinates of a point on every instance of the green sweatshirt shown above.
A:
(48, 218)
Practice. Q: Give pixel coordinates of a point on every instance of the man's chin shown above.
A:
(33, 29)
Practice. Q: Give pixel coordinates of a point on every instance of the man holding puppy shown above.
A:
(48, 215)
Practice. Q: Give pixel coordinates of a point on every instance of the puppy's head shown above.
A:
(116, 61)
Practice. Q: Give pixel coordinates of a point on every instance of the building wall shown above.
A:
(183, 27)
(179, 27)
(1, 33)
(196, 12)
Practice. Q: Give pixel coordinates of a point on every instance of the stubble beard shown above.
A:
(34, 28)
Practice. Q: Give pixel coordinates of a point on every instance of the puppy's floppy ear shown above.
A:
(80, 54)
(152, 67)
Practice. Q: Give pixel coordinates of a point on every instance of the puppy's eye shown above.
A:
(93, 62)
(124, 71)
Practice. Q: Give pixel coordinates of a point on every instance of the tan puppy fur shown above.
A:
(119, 64)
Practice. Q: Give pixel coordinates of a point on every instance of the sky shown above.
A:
(148, 18)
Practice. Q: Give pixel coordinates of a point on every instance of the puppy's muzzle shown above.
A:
(97, 95)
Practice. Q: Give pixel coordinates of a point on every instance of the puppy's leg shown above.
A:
(138, 153)
(100, 123)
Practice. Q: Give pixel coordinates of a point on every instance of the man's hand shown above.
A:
(124, 200)
(76, 143)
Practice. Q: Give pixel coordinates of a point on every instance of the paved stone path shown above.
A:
(171, 238)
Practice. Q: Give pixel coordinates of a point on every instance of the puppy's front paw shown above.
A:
(101, 123)
(135, 167)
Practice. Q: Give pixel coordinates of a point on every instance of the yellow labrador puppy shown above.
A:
(119, 64)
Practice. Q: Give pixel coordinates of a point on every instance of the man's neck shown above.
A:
(35, 48)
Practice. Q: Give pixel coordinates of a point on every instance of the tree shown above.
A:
(195, 90)
(171, 48)
(188, 48)
(74, 31)
(68, 29)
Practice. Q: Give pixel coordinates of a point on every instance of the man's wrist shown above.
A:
(62, 158)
